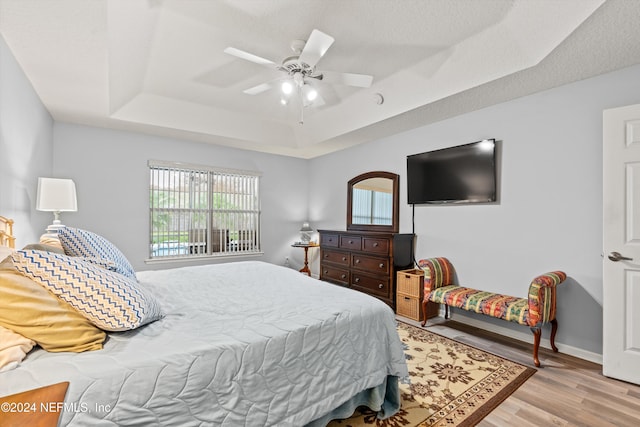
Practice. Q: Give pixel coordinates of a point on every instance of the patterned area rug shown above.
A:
(451, 384)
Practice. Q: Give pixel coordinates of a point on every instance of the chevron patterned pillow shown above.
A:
(109, 300)
(77, 242)
(107, 264)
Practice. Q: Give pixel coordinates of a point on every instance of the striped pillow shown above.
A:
(109, 300)
(77, 242)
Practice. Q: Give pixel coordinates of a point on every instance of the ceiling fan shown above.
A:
(301, 71)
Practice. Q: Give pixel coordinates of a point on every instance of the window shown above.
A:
(198, 211)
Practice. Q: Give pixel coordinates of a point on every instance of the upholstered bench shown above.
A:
(534, 311)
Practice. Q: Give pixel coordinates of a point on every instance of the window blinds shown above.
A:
(202, 211)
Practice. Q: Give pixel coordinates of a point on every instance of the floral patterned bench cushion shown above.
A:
(492, 304)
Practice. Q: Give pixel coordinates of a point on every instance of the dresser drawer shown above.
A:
(371, 284)
(351, 242)
(336, 257)
(331, 240)
(334, 274)
(376, 246)
(375, 265)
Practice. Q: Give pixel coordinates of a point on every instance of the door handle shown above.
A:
(616, 256)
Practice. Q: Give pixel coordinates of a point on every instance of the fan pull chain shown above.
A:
(301, 121)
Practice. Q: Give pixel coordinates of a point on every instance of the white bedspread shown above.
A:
(242, 344)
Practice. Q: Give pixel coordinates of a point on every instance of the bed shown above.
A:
(242, 343)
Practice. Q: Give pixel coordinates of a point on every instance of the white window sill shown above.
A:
(187, 258)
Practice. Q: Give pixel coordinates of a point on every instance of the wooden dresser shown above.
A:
(366, 261)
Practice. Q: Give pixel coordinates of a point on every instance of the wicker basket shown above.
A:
(409, 294)
(409, 307)
(409, 282)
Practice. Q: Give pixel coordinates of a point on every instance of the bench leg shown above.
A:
(424, 312)
(552, 339)
(537, 332)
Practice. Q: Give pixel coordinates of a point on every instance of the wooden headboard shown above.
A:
(6, 232)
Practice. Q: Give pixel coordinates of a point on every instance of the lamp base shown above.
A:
(55, 226)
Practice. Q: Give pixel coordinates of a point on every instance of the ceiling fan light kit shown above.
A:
(287, 87)
(309, 93)
(300, 68)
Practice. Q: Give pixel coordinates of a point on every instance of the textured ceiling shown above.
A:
(158, 66)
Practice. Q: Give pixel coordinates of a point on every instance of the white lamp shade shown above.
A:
(56, 195)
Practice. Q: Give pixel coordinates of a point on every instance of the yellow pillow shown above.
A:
(35, 313)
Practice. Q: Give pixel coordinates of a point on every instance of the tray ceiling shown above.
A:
(158, 66)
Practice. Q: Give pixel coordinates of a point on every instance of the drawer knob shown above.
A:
(357, 261)
(343, 276)
(351, 242)
(357, 279)
(380, 286)
(381, 265)
(375, 244)
(325, 271)
(344, 258)
(326, 255)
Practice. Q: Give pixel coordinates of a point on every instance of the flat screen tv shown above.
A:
(460, 174)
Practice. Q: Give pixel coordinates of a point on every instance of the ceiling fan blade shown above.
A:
(315, 48)
(248, 56)
(348, 79)
(258, 89)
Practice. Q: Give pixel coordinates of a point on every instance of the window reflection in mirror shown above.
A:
(372, 202)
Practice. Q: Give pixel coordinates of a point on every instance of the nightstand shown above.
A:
(306, 247)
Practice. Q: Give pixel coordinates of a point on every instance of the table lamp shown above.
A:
(305, 233)
(55, 195)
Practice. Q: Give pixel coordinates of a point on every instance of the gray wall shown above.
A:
(549, 215)
(26, 146)
(112, 182)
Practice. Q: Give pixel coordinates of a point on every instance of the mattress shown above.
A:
(241, 344)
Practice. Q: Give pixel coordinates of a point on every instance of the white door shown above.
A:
(621, 241)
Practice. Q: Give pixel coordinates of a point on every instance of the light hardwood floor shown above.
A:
(565, 390)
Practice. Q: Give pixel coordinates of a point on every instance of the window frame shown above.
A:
(230, 208)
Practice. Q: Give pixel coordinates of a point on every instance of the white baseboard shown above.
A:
(527, 337)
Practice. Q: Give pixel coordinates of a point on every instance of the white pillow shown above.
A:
(77, 242)
(13, 349)
(109, 300)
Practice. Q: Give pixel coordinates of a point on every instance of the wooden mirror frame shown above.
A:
(395, 180)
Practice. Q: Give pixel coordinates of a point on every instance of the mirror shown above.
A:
(372, 202)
